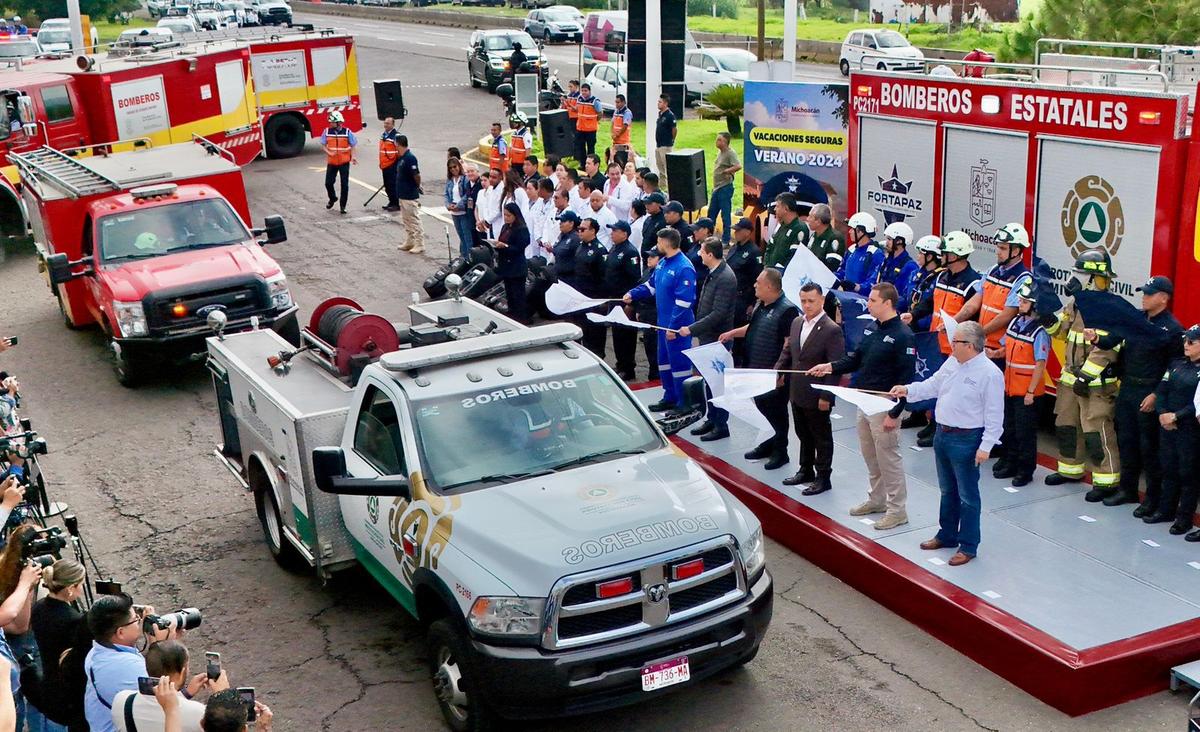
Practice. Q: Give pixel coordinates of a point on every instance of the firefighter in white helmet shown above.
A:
(860, 269)
(898, 266)
(341, 150)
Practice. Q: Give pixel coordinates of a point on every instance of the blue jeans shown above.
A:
(464, 225)
(958, 477)
(722, 203)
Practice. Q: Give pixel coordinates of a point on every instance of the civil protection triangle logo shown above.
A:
(1092, 216)
(983, 194)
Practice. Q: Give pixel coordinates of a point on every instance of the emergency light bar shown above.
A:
(481, 346)
(165, 189)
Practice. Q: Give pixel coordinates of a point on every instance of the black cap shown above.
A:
(1157, 284)
(622, 225)
(746, 224)
(568, 216)
(1192, 334)
(704, 223)
(674, 206)
(656, 197)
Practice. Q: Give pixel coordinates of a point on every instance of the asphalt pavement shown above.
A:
(164, 517)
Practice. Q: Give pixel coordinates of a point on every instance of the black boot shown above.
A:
(1021, 481)
(1143, 510)
(925, 436)
(916, 419)
(718, 433)
(704, 428)
(1120, 498)
(760, 452)
(1060, 479)
(1096, 495)
(661, 406)
(820, 485)
(1158, 517)
(777, 461)
(1194, 536)
(802, 477)
(1181, 526)
(1004, 471)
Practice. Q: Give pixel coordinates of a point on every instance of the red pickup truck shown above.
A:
(148, 243)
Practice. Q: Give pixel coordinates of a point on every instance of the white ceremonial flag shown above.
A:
(712, 361)
(617, 316)
(749, 383)
(951, 324)
(870, 404)
(561, 299)
(805, 268)
(745, 411)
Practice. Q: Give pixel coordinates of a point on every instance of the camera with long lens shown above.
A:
(48, 541)
(188, 618)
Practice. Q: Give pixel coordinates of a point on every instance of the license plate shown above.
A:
(667, 673)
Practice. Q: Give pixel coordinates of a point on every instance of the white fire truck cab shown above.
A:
(506, 487)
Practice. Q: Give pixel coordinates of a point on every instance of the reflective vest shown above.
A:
(995, 292)
(571, 104)
(517, 150)
(498, 160)
(338, 142)
(388, 150)
(588, 119)
(1098, 364)
(950, 297)
(1019, 363)
(620, 130)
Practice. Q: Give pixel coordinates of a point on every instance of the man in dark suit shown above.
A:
(814, 339)
(714, 315)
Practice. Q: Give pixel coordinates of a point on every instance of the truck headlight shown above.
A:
(277, 288)
(131, 319)
(507, 616)
(754, 554)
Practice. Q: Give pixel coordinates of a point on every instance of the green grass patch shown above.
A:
(693, 133)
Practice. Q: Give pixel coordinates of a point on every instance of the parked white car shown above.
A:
(607, 81)
(178, 25)
(54, 35)
(879, 49)
(707, 68)
(139, 37)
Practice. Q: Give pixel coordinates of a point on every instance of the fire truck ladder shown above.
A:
(63, 172)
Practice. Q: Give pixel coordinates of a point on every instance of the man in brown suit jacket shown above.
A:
(814, 339)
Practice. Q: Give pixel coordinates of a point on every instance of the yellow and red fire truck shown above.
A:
(245, 94)
(1085, 150)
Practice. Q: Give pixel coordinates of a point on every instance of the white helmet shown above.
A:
(863, 219)
(335, 118)
(958, 243)
(1012, 235)
(899, 230)
(16, 19)
(930, 244)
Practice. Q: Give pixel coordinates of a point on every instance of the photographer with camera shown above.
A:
(115, 664)
(134, 711)
(230, 711)
(19, 575)
(11, 495)
(56, 623)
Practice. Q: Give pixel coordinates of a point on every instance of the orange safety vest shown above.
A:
(950, 298)
(1019, 362)
(620, 130)
(516, 149)
(338, 143)
(995, 293)
(496, 159)
(388, 152)
(571, 104)
(588, 119)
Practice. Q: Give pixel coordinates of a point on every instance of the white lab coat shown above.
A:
(538, 210)
(621, 197)
(487, 208)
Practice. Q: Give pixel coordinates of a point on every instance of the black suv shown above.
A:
(487, 60)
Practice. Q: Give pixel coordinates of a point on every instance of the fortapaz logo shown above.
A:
(1092, 216)
(893, 199)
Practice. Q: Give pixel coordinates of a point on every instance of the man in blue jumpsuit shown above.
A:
(674, 291)
(860, 268)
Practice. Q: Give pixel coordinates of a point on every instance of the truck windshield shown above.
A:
(152, 232)
(54, 36)
(521, 430)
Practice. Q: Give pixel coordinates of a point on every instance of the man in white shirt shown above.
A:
(169, 659)
(970, 407)
(603, 216)
(582, 203)
(540, 209)
(619, 192)
(487, 204)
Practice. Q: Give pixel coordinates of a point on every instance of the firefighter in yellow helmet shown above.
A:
(1087, 389)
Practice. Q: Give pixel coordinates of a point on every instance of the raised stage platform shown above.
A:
(1080, 605)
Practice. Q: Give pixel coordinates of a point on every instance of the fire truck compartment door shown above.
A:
(280, 78)
(140, 108)
(983, 185)
(237, 97)
(330, 77)
(895, 171)
(1091, 195)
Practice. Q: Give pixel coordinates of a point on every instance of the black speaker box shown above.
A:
(687, 181)
(389, 99)
(558, 134)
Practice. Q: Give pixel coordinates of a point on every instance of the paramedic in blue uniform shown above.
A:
(674, 291)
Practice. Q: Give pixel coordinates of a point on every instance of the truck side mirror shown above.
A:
(275, 230)
(60, 269)
(505, 91)
(329, 473)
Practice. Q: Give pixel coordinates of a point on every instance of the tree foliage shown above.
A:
(1131, 21)
(96, 9)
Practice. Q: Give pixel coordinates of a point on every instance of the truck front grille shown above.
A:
(237, 300)
(580, 613)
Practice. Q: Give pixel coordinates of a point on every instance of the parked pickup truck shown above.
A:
(147, 243)
(511, 493)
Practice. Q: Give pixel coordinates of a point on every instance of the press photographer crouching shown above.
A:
(135, 711)
(115, 664)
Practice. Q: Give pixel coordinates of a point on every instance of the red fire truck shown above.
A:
(213, 87)
(148, 243)
(1085, 151)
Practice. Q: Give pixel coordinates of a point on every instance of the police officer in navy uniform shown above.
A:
(622, 270)
(1174, 405)
(589, 276)
(653, 222)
